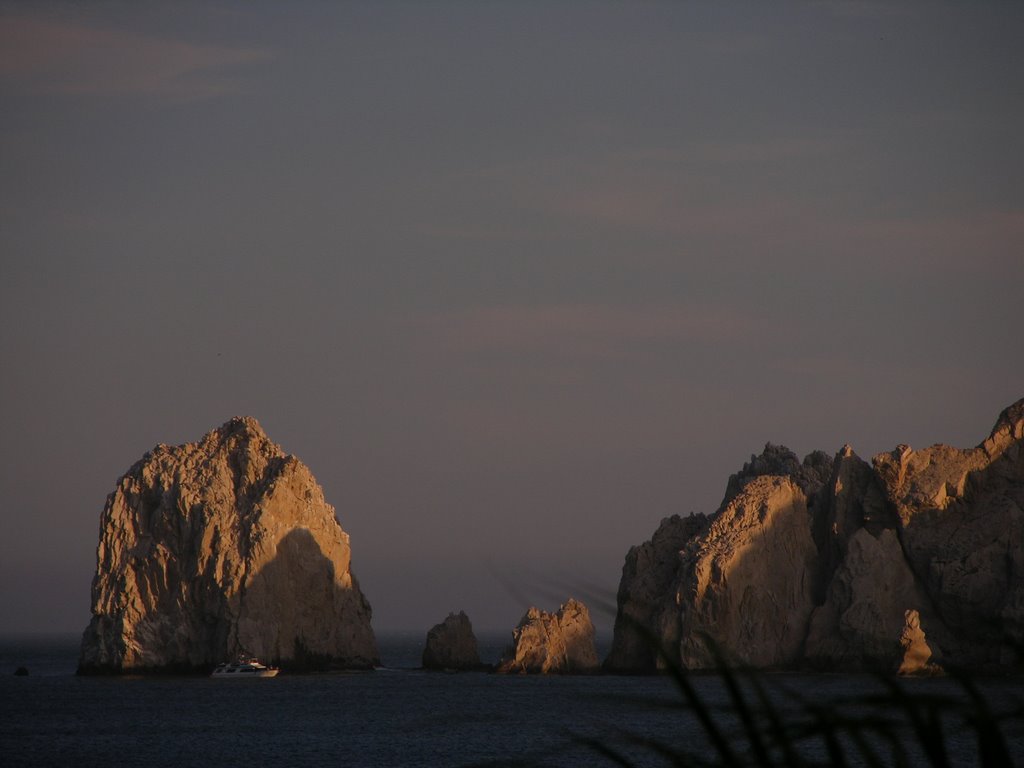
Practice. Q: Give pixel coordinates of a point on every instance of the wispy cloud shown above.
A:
(679, 195)
(72, 58)
(959, 242)
(670, 191)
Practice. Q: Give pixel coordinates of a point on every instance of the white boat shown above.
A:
(244, 666)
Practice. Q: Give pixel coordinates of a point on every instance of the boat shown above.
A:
(244, 666)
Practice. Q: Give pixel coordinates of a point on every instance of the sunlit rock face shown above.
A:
(552, 643)
(835, 563)
(451, 644)
(961, 515)
(916, 659)
(226, 545)
(747, 583)
(742, 578)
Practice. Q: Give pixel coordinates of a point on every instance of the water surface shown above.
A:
(393, 716)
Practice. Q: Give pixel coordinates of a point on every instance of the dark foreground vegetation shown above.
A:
(764, 721)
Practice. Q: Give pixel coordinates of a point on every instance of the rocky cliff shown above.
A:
(909, 562)
(647, 613)
(451, 644)
(225, 545)
(552, 643)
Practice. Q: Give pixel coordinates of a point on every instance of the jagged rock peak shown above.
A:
(552, 643)
(242, 424)
(220, 546)
(242, 429)
(777, 460)
(452, 644)
(1012, 416)
(237, 434)
(1009, 427)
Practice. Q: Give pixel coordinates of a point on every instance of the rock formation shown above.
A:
(452, 644)
(558, 643)
(961, 523)
(226, 545)
(840, 564)
(647, 615)
(753, 566)
(916, 653)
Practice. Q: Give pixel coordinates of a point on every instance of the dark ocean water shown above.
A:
(393, 716)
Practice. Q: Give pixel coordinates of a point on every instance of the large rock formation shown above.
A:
(840, 564)
(754, 565)
(552, 643)
(451, 644)
(961, 523)
(225, 545)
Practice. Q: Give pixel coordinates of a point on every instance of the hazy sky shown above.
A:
(516, 280)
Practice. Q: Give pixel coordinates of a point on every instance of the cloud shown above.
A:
(679, 193)
(72, 58)
(962, 242)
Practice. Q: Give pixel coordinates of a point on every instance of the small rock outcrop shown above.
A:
(552, 643)
(916, 653)
(835, 563)
(225, 545)
(452, 645)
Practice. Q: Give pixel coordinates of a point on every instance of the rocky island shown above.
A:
(907, 563)
(552, 643)
(451, 645)
(221, 546)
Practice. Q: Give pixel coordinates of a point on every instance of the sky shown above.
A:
(515, 280)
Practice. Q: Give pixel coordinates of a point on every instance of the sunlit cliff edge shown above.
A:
(906, 564)
(225, 545)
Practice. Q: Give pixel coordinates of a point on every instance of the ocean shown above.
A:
(401, 716)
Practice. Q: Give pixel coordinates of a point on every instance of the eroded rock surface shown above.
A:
(552, 643)
(747, 581)
(860, 624)
(778, 461)
(961, 516)
(224, 545)
(841, 564)
(451, 644)
(916, 653)
(648, 615)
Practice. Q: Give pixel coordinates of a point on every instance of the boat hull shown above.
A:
(246, 666)
(241, 675)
